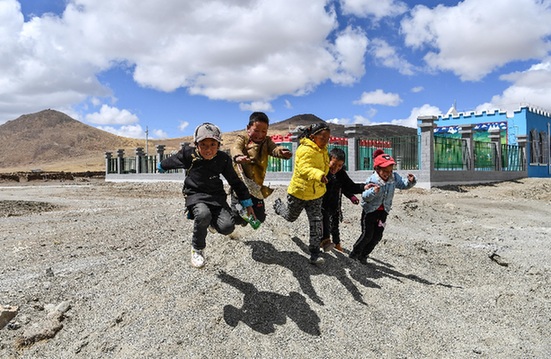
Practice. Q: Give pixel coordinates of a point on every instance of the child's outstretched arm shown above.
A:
(405, 183)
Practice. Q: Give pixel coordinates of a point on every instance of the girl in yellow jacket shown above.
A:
(307, 185)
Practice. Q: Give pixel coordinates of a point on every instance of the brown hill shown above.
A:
(52, 141)
(364, 132)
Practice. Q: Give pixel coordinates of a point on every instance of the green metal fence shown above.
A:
(280, 164)
(404, 150)
(449, 153)
(484, 156)
(512, 158)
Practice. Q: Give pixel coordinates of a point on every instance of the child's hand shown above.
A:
(375, 187)
(242, 159)
(250, 212)
(411, 177)
(369, 185)
(354, 200)
(285, 153)
(324, 179)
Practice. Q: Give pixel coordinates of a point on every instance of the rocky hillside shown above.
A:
(52, 141)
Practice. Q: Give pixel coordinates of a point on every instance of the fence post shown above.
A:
(120, 161)
(522, 140)
(160, 152)
(495, 138)
(427, 126)
(108, 156)
(467, 136)
(352, 154)
(139, 155)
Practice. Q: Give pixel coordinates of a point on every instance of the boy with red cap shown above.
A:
(377, 202)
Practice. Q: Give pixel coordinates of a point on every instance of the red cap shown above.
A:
(383, 160)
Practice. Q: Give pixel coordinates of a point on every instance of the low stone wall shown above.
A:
(49, 176)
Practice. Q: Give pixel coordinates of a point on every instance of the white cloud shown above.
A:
(111, 116)
(379, 97)
(158, 134)
(132, 131)
(339, 121)
(288, 104)
(262, 53)
(350, 47)
(531, 87)
(411, 121)
(417, 89)
(475, 37)
(378, 9)
(183, 125)
(41, 64)
(256, 106)
(388, 57)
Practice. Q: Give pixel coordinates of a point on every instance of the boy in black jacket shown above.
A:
(203, 189)
(339, 183)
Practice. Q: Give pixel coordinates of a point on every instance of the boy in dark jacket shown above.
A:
(339, 183)
(203, 189)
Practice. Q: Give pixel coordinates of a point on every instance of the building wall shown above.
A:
(519, 123)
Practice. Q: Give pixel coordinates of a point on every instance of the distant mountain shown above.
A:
(360, 131)
(52, 141)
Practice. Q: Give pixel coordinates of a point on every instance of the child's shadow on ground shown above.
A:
(302, 270)
(263, 310)
(341, 267)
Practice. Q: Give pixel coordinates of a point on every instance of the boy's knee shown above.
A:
(227, 229)
(203, 217)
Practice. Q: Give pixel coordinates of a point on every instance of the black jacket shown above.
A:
(339, 183)
(203, 183)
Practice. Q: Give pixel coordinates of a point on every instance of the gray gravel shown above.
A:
(101, 270)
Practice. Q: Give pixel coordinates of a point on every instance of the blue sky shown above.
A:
(124, 66)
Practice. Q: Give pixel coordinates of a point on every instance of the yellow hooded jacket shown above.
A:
(311, 164)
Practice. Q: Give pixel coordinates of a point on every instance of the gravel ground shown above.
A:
(101, 270)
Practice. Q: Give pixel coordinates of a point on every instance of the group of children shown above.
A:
(317, 186)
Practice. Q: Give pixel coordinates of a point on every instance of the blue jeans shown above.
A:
(204, 216)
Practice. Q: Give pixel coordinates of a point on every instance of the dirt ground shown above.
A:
(101, 270)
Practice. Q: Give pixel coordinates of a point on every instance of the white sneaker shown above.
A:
(212, 230)
(197, 258)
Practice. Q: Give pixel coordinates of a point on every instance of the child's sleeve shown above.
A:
(241, 190)
(306, 164)
(239, 148)
(178, 160)
(349, 187)
(403, 182)
(274, 149)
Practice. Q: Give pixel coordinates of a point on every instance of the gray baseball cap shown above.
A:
(207, 130)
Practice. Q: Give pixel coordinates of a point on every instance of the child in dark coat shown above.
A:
(339, 183)
(203, 189)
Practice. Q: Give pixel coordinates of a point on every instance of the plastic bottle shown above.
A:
(255, 223)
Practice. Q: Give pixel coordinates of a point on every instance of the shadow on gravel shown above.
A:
(261, 311)
(339, 266)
